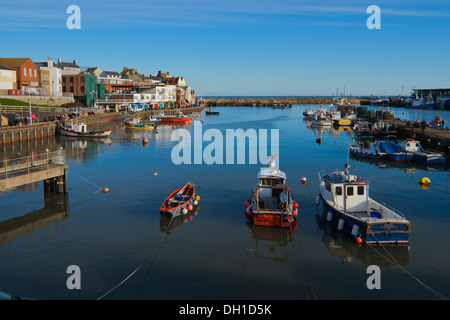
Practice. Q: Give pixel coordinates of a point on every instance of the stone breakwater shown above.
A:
(269, 102)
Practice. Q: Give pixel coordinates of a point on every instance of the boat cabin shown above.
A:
(348, 192)
(78, 127)
(271, 192)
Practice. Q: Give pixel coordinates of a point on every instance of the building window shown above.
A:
(71, 79)
(35, 74)
(82, 80)
(31, 74)
(82, 89)
(25, 72)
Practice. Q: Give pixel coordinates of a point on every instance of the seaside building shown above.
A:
(8, 79)
(27, 76)
(69, 68)
(82, 86)
(54, 85)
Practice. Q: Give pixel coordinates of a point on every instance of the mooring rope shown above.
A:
(135, 270)
(395, 263)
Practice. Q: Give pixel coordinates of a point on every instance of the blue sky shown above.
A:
(245, 47)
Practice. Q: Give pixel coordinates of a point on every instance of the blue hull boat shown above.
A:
(394, 152)
(366, 153)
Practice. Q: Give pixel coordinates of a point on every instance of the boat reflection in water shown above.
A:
(408, 167)
(271, 243)
(56, 209)
(168, 224)
(341, 244)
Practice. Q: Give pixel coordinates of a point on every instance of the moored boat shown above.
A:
(360, 151)
(346, 199)
(139, 124)
(271, 203)
(79, 129)
(177, 118)
(181, 201)
(420, 154)
(393, 151)
(309, 112)
(212, 112)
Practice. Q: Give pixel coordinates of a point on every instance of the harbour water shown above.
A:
(124, 251)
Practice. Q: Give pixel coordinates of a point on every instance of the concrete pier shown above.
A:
(49, 167)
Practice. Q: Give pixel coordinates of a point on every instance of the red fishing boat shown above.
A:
(181, 201)
(176, 118)
(272, 203)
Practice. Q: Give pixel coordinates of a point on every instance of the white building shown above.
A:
(55, 73)
(8, 80)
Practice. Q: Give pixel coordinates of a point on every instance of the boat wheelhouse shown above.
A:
(420, 154)
(346, 199)
(271, 203)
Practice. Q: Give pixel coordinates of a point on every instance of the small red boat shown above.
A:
(180, 199)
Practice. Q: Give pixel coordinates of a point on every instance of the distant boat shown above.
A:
(271, 203)
(79, 129)
(309, 112)
(212, 112)
(346, 199)
(139, 124)
(338, 119)
(320, 118)
(394, 152)
(442, 102)
(428, 103)
(179, 200)
(177, 118)
(421, 155)
(366, 153)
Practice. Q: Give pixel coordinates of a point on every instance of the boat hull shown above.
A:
(175, 120)
(96, 134)
(272, 220)
(371, 232)
(177, 209)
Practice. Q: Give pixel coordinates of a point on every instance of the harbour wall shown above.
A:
(268, 102)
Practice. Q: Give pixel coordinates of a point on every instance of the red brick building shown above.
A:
(27, 73)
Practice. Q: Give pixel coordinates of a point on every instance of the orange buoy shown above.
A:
(105, 190)
(358, 240)
(295, 205)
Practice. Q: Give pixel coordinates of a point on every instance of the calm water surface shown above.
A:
(214, 254)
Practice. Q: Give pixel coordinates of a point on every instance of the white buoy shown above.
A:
(355, 230)
(184, 211)
(341, 224)
(329, 216)
(195, 202)
(318, 200)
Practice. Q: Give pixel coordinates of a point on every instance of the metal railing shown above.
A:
(35, 162)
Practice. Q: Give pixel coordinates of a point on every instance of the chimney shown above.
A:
(59, 60)
(49, 62)
(75, 61)
(125, 68)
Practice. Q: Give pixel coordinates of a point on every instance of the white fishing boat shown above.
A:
(309, 112)
(321, 119)
(346, 200)
(338, 119)
(422, 155)
(79, 129)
